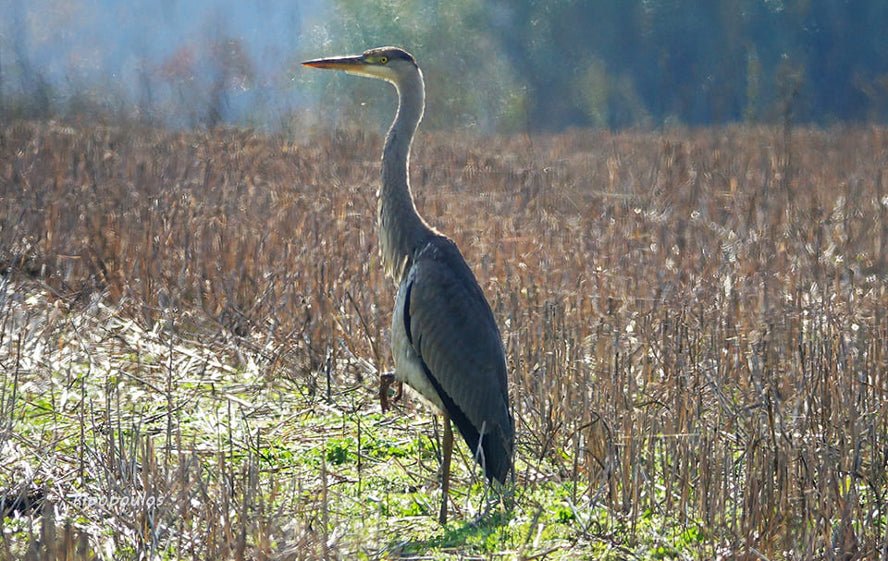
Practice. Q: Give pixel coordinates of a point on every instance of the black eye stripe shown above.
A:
(384, 56)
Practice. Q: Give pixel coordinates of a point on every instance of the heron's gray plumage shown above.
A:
(445, 341)
(452, 330)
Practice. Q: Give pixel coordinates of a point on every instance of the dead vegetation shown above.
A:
(695, 322)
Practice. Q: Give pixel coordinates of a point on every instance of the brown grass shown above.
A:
(695, 320)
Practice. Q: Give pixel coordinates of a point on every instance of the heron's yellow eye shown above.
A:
(383, 59)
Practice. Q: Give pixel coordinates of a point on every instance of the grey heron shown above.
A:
(445, 341)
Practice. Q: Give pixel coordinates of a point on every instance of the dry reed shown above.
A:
(694, 321)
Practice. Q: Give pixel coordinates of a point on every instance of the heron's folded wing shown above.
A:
(452, 329)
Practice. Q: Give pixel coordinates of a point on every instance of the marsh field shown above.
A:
(192, 327)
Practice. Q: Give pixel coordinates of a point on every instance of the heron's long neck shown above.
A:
(401, 229)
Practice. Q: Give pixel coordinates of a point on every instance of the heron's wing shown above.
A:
(451, 327)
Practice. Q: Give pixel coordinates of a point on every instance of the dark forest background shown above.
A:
(495, 65)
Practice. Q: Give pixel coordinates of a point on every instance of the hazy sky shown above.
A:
(79, 45)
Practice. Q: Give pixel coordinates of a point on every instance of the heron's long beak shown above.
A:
(346, 63)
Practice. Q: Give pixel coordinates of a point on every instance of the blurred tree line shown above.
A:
(551, 64)
(507, 65)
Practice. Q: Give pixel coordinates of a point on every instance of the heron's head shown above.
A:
(391, 64)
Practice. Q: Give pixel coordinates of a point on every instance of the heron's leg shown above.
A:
(385, 381)
(445, 469)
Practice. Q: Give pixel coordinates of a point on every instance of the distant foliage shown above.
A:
(524, 65)
(616, 63)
